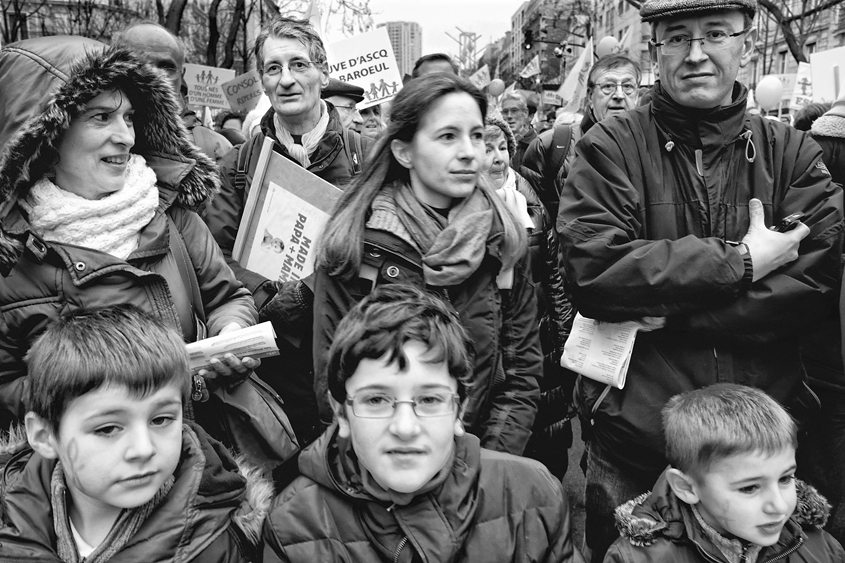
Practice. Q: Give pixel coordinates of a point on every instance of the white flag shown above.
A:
(511, 88)
(574, 88)
(623, 45)
(481, 77)
(315, 17)
(532, 68)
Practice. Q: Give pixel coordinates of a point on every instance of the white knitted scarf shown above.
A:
(310, 140)
(112, 224)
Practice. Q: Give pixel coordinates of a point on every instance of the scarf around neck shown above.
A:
(310, 140)
(111, 224)
(126, 525)
(515, 201)
(452, 248)
(732, 549)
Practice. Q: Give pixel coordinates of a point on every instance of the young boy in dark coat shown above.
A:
(730, 494)
(108, 471)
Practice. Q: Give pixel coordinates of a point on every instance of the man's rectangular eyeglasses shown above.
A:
(376, 405)
(713, 40)
(609, 88)
(295, 67)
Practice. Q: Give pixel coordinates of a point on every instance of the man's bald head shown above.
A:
(157, 46)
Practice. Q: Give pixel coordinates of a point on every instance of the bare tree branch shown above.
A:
(213, 34)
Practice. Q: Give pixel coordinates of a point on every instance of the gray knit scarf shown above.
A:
(127, 524)
(732, 549)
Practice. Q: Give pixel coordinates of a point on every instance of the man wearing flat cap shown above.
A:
(345, 97)
(665, 218)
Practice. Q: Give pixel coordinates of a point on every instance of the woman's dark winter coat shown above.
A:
(213, 513)
(658, 527)
(42, 279)
(492, 507)
(502, 325)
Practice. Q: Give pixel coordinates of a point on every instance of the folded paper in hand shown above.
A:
(600, 350)
(257, 341)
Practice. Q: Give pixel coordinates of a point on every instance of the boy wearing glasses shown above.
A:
(396, 478)
(665, 216)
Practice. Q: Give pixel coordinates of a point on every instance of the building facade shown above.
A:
(406, 40)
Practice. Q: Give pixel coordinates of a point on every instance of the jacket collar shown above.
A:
(327, 149)
(700, 129)
(660, 514)
(211, 490)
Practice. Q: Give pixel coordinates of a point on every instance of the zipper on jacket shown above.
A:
(789, 551)
(699, 162)
(743, 557)
(399, 549)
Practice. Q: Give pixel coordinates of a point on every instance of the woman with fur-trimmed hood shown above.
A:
(98, 179)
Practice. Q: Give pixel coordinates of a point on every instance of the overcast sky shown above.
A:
(488, 18)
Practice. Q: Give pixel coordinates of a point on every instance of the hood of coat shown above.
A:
(66, 73)
(439, 520)
(659, 513)
(829, 125)
(211, 489)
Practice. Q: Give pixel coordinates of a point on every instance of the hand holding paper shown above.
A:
(232, 350)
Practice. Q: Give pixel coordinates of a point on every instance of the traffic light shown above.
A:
(529, 39)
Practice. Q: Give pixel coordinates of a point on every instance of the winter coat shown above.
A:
(213, 513)
(502, 325)
(658, 526)
(646, 212)
(522, 146)
(552, 432)
(43, 279)
(492, 507)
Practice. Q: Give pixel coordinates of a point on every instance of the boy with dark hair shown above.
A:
(396, 477)
(730, 493)
(108, 470)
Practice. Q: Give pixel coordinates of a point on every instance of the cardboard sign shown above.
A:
(367, 61)
(481, 77)
(802, 92)
(244, 91)
(551, 98)
(205, 85)
(828, 70)
(283, 218)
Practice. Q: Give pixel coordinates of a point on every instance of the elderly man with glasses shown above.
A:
(666, 218)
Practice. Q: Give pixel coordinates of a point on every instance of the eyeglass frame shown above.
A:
(308, 66)
(456, 402)
(616, 87)
(351, 108)
(703, 40)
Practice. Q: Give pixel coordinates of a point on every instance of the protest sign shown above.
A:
(244, 91)
(802, 92)
(551, 98)
(481, 77)
(828, 70)
(367, 61)
(284, 215)
(205, 85)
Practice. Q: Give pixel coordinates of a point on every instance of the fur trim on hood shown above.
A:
(73, 72)
(812, 510)
(249, 517)
(829, 125)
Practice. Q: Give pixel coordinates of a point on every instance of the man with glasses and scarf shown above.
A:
(666, 218)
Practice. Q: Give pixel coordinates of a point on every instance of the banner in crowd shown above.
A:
(551, 98)
(205, 85)
(284, 216)
(802, 92)
(574, 88)
(828, 70)
(244, 91)
(367, 61)
(532, 68)
(481, 77)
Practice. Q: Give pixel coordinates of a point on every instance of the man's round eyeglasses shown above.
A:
(609, 88)
(350, 108)
(295, 67)
(376, 405)
(713, 40)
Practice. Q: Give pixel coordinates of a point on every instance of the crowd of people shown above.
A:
(420, 364)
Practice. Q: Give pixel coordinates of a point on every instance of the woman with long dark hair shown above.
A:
(421, 213)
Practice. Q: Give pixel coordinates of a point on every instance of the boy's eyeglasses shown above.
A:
(713, 40)
(376, 405)
(295, 67)
(609, 88)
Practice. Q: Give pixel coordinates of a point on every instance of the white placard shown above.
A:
(802, 92)
(551, 98)
(244, 91)
(481, 77)
(828, 67)
(367, 61)
(205, 85)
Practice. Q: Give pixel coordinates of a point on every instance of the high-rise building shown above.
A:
(406, 40)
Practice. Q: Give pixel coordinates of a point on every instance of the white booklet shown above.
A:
(257, 341)
(600, 350)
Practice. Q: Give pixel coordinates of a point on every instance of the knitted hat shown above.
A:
(660, 9)
(838, 107)
(511, 140)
